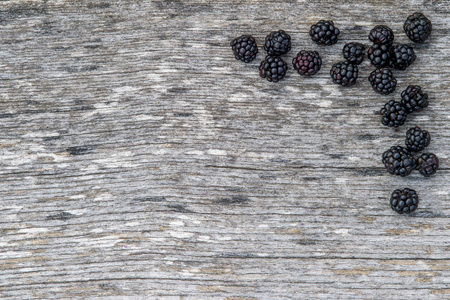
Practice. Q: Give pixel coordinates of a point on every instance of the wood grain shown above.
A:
(140, 160)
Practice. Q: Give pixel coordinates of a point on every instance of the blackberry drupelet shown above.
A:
(414, 99)
(354, 53)
(379, 55)
(402, 56)
(404, 201)
(417, 139)
(273, 68)
(324, 33)
(383, 81)
(381, 34)
(398, 161)
(344, 73)
(307, 62)
(427, 164)
(417, 27)
(278, 43)
(244, 48)
(393, 114)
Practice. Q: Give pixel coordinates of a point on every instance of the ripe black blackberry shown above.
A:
(344, 73)
(354, 53)
(414, 99)
(417, 139)
(417, 27)
(381, 34)
(398, 161)
(379, 55)
(273, 68)
(402, 56)
(324, 33)
(393, 114)
(383, 81)
(307, 62)
(244, 48)
(278, 43)
(427, 164)
(404, 201)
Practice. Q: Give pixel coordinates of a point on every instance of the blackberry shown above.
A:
(278, 43)
(398, 161)
(404, 201)
(417, 27)
(382, 35)
(354, 53)
(383, 81)
(379, 55)
(244, 48)
(427, 164)
(402, 56)
(417, 139)
(272, 68)
(344, 73)
(414, 99)
(324, 33)
(307, 62)
(393, 114)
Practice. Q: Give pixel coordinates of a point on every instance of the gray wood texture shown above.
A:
(140, 160)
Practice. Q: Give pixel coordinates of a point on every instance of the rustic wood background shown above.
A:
(140, 160)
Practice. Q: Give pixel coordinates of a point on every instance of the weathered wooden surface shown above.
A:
(140, 160)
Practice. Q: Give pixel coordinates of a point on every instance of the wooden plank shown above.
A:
(140, 160)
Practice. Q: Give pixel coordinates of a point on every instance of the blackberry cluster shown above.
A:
(402, 56)
(324, 33)
(383, 81)
(278, 43)
(354, 53)
(244, 48)
(379, 55)
(273, 68)
(404, 201)
(344, 73)
(382, 35)
(427, 164)
(393, 114)
(307, 62)
(417, 27)
(414, 99)
(398, 161)
(417, 139)
(384, 55)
